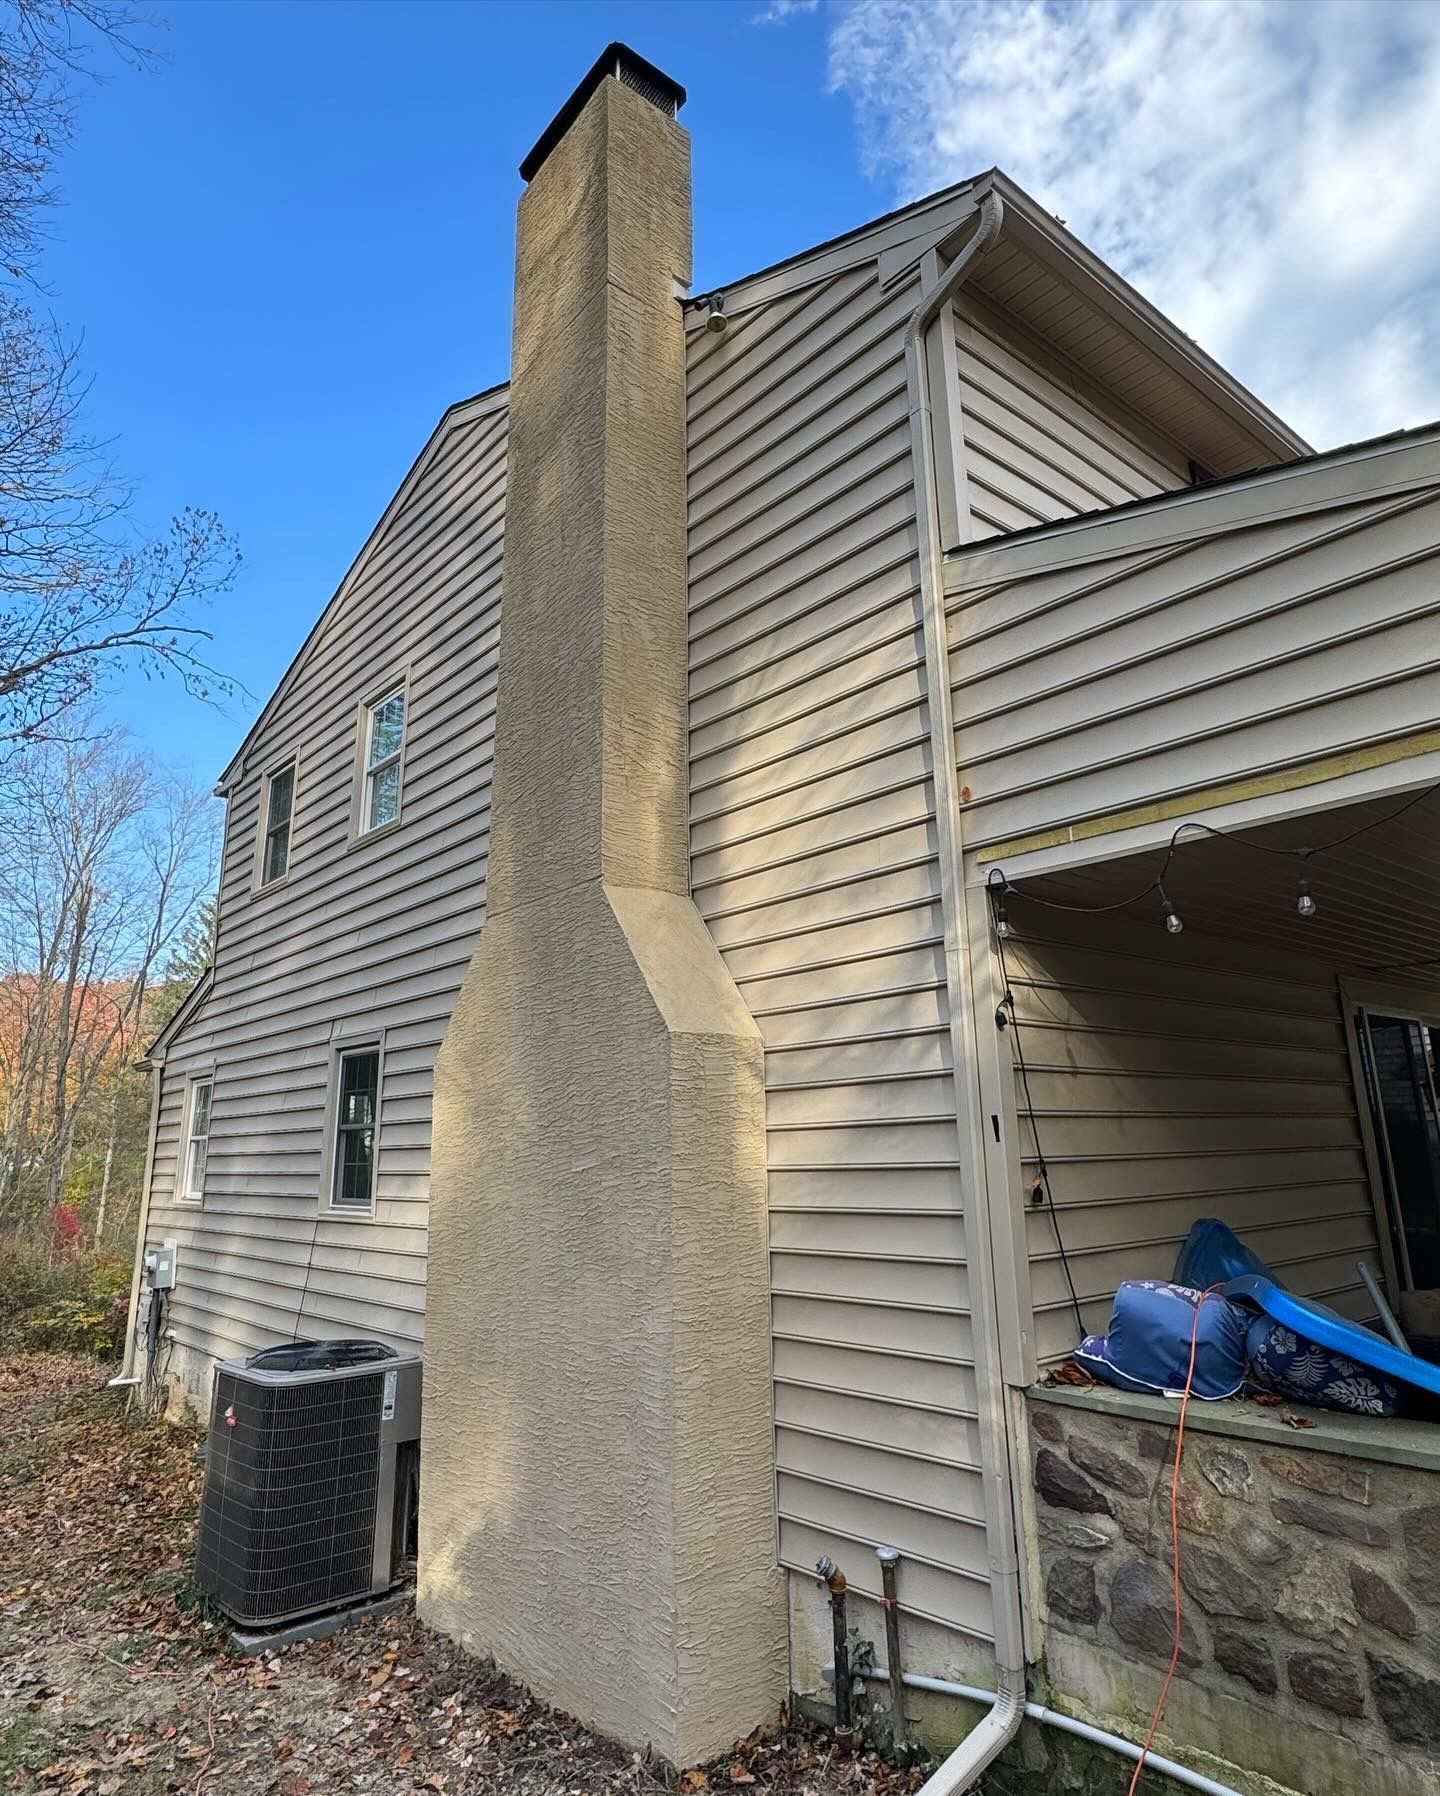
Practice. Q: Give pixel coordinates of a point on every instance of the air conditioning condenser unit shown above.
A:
(311, 1479)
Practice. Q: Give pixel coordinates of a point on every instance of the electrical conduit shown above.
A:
(1180, 1774)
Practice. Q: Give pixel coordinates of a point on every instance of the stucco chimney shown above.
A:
(597, 1473)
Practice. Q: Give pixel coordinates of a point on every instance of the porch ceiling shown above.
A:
(1377, 897)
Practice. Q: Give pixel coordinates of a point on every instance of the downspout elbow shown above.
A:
(980, 241)
(985, 1741)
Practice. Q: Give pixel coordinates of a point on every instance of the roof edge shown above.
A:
(184, 1010)
(967, 555)
(500, 395)
(1095, 269)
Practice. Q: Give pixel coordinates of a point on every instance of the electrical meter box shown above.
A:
(160, 1266)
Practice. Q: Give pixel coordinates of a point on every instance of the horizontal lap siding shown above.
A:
(1174, 1078)
(359, 937)
(814, 863)
(1175, 667)
(1040, 443)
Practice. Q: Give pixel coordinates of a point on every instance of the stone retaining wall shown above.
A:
(1311, 1596)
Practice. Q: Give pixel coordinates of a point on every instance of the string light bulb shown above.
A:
(1172, 916)
(999, 887)
(1304, 903)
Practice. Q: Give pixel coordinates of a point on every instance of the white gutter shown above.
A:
(1177, 1773)
(126, 1374)
(991, 1736)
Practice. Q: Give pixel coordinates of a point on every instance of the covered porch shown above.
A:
(1268, 1062)
(1200, 772)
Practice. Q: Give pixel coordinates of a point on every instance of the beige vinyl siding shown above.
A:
(814, 864)
(1041, 442)
(1179, 1077)
(1214, 638)
(360, 936)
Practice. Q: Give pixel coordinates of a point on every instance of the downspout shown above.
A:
(990, 1736)
(126, 1374)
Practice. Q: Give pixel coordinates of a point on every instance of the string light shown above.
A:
(1305, 903)
(998, 886)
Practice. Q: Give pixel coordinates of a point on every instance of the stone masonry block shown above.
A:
(1409, 1704)
(1325, 1518)
(1331, 1684)
(1109, 1468)
(1219, 1586)
(1229, 1471)
(1046, 1424)
(1070, 1592)
(1142, 1613)
(1243, 1656)
(1421, 1531)
(1326, 1477)
(1064, 1488)
(1380, 1603)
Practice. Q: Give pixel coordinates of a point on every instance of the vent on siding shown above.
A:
(288, 1517)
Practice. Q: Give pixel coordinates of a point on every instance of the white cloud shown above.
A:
(1267, 172)
(778, 11)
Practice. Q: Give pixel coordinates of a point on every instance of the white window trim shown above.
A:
(193, 1082)
(259, 883)
(377, 695)
(342, 1048)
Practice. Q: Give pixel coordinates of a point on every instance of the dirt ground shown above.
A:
(116, 1680)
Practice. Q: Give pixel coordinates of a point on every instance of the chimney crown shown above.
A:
(627, 66)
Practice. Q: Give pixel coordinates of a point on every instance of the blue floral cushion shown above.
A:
(1292, 1366)
(1147, 1346)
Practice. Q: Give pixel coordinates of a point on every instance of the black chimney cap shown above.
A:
(625, 65)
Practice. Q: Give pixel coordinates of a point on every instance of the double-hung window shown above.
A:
(384, 748)
(197, 1140)
(279, 807)
(356, 1116)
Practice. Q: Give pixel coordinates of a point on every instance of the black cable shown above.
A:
(997, 881)
(1043, 1170)
(1402, 966)
(305, 1283)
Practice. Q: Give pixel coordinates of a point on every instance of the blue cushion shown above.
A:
(1147, 1347)
(1293, 1366)
(1213, 1253)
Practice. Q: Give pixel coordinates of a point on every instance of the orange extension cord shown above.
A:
(1174, 1546)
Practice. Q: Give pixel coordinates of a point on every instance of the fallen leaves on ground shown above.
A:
(117, 1680)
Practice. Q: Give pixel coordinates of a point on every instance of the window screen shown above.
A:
(384, 740)
(197, 1139)
(275, 857)
(355, 1120)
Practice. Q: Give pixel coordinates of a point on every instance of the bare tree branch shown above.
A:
(105, 864)
(80, 594)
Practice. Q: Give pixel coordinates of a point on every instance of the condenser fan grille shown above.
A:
(287, 1521)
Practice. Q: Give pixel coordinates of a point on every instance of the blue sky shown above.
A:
(289, 246)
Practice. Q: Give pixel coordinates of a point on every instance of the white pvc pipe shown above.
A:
(126, 1374)
(1180, 1774)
